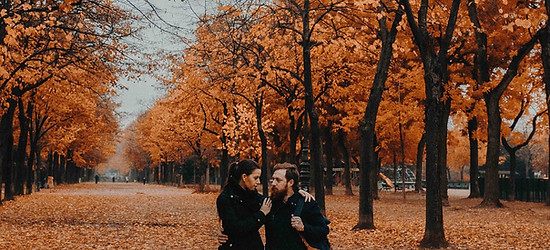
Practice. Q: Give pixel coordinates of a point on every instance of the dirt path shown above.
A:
(109, 216)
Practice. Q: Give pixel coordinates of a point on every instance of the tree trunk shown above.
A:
(202, 174)
(346, 157)
(435, 79)
(395, 171)
(20, 173)
(315, 133)
(224, 168)
(49, 168)
(366, 210)
(295, 129)
(443, 152)
(6, 138)
(265, 175)
(62, 168)
(55, 168)
(419, 160)
(329, 158)
(474, 158)
(545, 43)
(34, 169)
(369, 160)
(32, 151)
(403, 168)
(492, 98)
(512, 190)
(376, 177)
(434, 235)
(491, 193)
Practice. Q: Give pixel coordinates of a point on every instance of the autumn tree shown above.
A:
(545, 56)
(435, 67)
(51, 42)
(495, 84)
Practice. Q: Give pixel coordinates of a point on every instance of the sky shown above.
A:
(179, 18)
(162, 32)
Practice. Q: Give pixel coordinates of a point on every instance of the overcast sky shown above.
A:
(158, 36)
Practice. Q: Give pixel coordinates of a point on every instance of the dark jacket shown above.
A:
(239, 211)
(281, 235)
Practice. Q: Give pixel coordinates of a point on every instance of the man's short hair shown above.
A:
(291, 173)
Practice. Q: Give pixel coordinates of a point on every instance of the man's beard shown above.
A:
(278, 194)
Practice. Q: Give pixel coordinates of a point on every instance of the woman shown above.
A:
(242, 210)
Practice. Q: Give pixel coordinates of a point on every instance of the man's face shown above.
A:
(279, 185)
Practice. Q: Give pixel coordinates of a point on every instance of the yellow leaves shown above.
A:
(524, 23)
(26, 6)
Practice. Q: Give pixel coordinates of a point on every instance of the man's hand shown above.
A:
(296, 222)
(222, 238)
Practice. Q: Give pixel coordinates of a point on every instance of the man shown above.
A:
(283, 229)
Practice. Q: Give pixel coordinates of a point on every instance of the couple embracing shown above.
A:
(290, 221)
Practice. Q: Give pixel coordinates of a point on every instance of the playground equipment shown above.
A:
(386, 180)
(387, 175)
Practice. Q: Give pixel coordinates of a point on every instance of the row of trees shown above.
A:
(58, 71)
(369, 82)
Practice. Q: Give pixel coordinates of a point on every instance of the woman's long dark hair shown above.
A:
(237, 169)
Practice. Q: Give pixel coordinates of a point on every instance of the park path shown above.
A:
(137, 216)
(109, 216)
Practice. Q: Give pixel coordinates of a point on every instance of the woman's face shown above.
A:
(252, 180)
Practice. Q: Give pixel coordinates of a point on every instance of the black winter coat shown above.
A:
(280, 235)
(239, 211)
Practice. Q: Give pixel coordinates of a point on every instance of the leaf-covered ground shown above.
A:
(136, 216)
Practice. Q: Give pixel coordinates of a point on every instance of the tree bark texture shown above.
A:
(419, 161)
(315, 132)
(20, 173)
(443, 151)
(545, 44)
(435, 79)
(329, 159)
(346, 160)
(474, 158)
(6, 138)
(368, 159)
(263, 138)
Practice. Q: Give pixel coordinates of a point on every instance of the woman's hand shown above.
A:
(306, 195)
(266, 206)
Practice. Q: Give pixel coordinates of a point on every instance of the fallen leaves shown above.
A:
(400, 224)
(109, 216)
(136, 216)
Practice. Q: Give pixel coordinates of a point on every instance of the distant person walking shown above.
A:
(113, 179)
(96, 178)
(144, 180)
